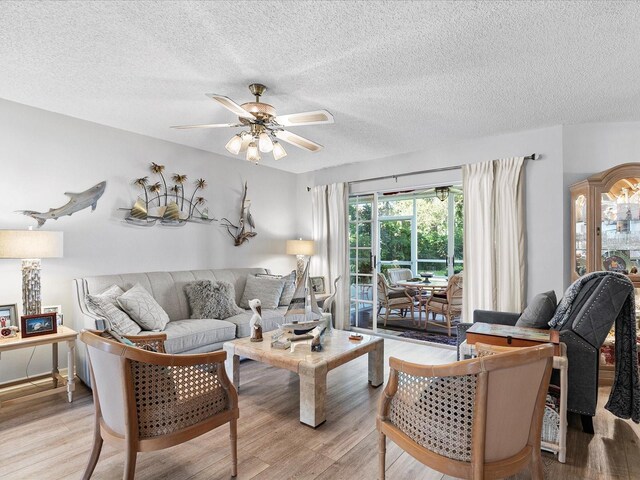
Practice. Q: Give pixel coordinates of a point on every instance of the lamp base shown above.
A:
(31, 300)
(300, 266)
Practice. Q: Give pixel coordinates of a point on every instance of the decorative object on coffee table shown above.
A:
(77, 202)
(30, 246)
(244, 230)
(171, 206)
(256, 320)
(40, 324)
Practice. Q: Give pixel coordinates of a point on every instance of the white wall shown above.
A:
(544, 190)
(44, 154)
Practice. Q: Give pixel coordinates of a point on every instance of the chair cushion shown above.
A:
(539, 311)
(184, 335)
(267, 289)
(105, 305)
(143, 308)
(209, 299)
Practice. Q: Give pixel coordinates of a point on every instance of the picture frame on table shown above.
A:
(8, 315)
(318, 286)
(40, 324)
(57, 309)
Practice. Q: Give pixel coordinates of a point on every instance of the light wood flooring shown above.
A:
(49, 438)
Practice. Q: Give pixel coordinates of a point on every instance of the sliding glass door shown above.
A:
(414, 230)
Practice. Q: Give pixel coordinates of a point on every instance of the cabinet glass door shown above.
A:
(580, 216)
(620, 227)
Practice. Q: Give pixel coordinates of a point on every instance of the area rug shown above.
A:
(430, 337)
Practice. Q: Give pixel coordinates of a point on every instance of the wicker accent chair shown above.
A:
(447, 303)
(146, 401)
(399, 275)
(452, 417)
(393, 299)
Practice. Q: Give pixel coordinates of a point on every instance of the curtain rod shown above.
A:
(533, 156)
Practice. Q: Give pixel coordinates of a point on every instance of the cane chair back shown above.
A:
(147, 400)
(397, 275)
(394, 299)
(452, 417)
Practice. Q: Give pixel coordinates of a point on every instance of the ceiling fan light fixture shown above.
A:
(234, 145)
(278, 151)
(252, 153)
(265, 143)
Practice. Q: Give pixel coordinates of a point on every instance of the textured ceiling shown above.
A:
(398, 76)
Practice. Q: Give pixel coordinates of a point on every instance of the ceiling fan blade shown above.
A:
(316, 117)
(210, 125)
(232, 106)
(297, 140)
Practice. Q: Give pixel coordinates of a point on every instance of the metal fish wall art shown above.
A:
(77, 202)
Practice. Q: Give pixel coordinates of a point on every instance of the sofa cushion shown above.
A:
(211, 299)
(271, 320)
(539, 311)
(143, 308)
(184, 335)
(105, 305)
(267, 289)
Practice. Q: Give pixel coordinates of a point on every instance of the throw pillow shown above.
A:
(539, 311)
(267, 289)
(105, 305)
(288, 289)
(143, 308)
(212, 299)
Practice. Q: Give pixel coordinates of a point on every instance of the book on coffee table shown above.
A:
(510, 336)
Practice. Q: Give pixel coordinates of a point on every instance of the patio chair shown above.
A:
(146, 400)
(393, 299)
(452, 417)
(447, 303)
(399, 275)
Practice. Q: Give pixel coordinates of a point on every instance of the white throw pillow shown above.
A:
(143, 308)
(267, 289)
(105, 305)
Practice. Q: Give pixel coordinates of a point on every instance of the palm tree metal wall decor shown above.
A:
(173, 207)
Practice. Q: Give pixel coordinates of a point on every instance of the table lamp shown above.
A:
(301, 249)
(30, 246)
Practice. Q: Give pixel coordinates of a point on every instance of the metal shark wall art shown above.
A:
(77, 202)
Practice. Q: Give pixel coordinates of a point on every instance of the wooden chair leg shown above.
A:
(537, 468)
(386, 315)
(95, 453)
(382, 454)
(233, 436)
(130, 464)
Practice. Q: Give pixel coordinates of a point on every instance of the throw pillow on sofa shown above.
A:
(539, 311)
(105, 305)
(209, 299)
(288, 289)
(143, 308)
(267, 289)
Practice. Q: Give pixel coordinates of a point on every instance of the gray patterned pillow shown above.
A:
(143, 308)
(288, 290)
(105, 305)
(212, 299)
(267, 289)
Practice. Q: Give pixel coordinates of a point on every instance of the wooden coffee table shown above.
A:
(312, 367)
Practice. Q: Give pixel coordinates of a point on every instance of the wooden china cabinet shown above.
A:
(605, 234)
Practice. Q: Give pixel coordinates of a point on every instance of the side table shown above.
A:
(561, 363)
(64, 334)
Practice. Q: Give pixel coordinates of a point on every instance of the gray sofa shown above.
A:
(184, 335)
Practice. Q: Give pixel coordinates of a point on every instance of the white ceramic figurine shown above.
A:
(256, 320)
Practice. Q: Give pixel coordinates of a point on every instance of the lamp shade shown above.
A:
(24, 244)
(301, 247)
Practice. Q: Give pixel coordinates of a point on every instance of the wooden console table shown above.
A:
(64, 334)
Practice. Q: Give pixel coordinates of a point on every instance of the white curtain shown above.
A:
(331, 260)
(494, 244)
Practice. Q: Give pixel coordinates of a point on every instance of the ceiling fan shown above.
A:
(265, 127)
